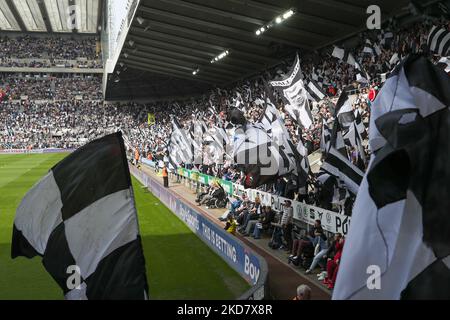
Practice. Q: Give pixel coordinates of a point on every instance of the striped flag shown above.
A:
(439, 41)
(315, 91)
(401, 210)
(371, 49)
(81, 219)
(326, 137)
(361, 128)
(340, 167)
(181, 148)
(353, 139)
(361, 73)
(344, 111)
(294, 94)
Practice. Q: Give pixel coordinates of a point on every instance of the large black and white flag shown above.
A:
(402, 207)
(294, 94)
(439, 41)
(181, 147)
(339, 166)
(353, 139)
(292, 159)
(81, 219)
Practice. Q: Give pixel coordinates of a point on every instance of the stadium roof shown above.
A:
(50, 15)
(177, 38)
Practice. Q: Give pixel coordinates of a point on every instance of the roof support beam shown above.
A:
(307, 17)
(100, 16)
(208, 24)
(163, 58)
(233, 62)
(45, 17)
(151, 35)
(170, 73)
(16, 15)
(72, 3)
(206, 38)
(238, 17)
(180, 68)
(206, 56)
(148, 52)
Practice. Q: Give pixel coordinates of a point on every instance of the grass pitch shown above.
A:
(179, 265)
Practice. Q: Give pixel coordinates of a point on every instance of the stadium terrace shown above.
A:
(176, 150)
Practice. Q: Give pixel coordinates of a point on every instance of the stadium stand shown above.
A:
(67, 112)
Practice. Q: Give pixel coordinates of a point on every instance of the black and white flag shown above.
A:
(360, 127)
(361, 74)
(402, 207)
(343, 55)
(371, 49)
(439, 41)
(315, 91)
(344, 111)
(444, 63)
(353, 139)
(386, 38)
(81, 219)
(325, 140)
(339, 166)
(294, 94)
(181, 147)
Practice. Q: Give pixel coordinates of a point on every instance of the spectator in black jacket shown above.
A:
(267, 217)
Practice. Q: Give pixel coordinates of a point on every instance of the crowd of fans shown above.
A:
(50, 88)
(49, 47)
(50, 63)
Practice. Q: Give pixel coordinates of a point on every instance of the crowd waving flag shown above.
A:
(81, 219)
(294, 93)
(400, 220)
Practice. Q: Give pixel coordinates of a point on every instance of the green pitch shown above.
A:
(179, 265)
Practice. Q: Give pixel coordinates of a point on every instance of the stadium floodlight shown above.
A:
(131, 43)
(220, 56)
(277, 20)
(125, 55)
(195, 71)
(288, 14)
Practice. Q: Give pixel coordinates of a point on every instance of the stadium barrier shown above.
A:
(304, 214)
(251, 266)
(25, 151)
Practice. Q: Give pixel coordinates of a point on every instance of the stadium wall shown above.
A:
(251, 266)
(305, 215)
(25, 151)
